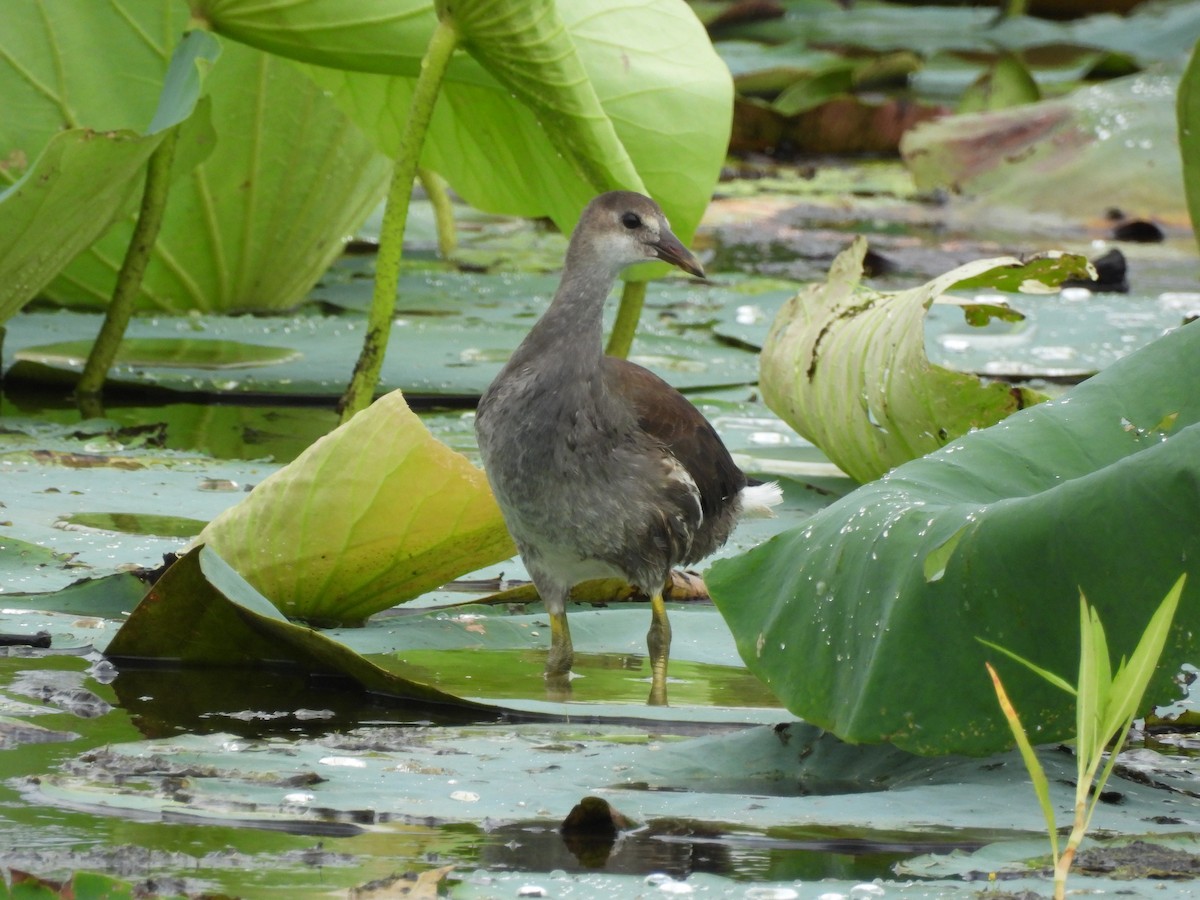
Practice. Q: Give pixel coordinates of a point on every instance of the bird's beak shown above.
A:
(670, 249)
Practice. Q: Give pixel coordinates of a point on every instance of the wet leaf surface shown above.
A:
(846, 366)
(170, 354)
(450, 358)
(406, 518)
(1058, 155)
(945, 530)
(274, 783)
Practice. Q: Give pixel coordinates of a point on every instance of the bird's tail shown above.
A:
(758, 500)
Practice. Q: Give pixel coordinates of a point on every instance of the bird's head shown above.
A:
(621, 228)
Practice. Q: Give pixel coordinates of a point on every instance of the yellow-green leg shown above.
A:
(658, 643)
(562, 654)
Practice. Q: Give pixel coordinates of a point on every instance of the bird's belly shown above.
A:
(569, 527)
(567, 564)
(571, 482)
(577, 533)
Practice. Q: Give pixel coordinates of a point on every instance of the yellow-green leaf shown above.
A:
(374, 513)
(846, 366)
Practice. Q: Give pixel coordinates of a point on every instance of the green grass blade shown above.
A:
(1129, 685)
(1090, 700)
(1055, 680)
(1037, 774)
(1103, 779)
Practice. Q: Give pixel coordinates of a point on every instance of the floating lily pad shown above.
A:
(202, 613)
(1153, 33)
(452, 334)
(69, 632)
(134, 523)
(783, 784)
(1111, 145)
(1062, 337)
(52, 475)
(17, 554)
(109, 597)
(164, 353)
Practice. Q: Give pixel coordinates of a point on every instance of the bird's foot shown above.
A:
(559, 662)
(562, 652)
(658, 685)
(658, 644)
(558, 687)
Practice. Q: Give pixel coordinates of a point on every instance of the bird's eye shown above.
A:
(631, 220)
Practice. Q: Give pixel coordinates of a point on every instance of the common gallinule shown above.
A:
(600, 467)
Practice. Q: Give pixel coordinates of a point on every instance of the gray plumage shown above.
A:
(601, 468)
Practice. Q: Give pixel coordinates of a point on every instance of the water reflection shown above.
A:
(681, 848)
(259, 703)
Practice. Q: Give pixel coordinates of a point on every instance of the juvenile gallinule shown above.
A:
(600, 467)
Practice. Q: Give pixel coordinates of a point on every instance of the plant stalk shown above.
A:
(443, 211)
(633, 297)
(133, 268)
(361, 389)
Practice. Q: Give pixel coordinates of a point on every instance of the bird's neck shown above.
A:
(571, 330)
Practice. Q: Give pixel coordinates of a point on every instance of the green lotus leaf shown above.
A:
(1149, 34)
(1007, 83)
(846, 366)
(553, 103)
(1187, 113)
(83, 177)
(256, 224)
(374, 513)
(167, 353)
(1108, 146)
(861, 618)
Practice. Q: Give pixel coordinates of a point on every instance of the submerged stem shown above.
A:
(133, 268)
(361, 388)
(443, 211)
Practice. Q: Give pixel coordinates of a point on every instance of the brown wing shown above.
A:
(668, 417)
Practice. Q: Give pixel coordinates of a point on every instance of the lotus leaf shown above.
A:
(201, 613)
(83, 178)
(374, 513)
(846, 366)
(628, 91)
(861, 618)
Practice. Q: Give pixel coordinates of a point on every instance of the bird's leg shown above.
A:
(658, 643)
(562, 654)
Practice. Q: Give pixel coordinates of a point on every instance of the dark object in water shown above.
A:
(1111, 271)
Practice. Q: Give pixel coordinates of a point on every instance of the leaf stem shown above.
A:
(632, 299)
(443, 211)
(361, 388)
(133, 268)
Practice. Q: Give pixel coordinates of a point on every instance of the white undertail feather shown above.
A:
(757, 500)
(677, 472)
